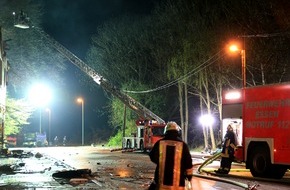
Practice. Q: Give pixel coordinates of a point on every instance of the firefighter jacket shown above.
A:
(229, 146)
(173, 162)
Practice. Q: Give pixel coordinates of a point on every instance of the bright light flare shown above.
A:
(80, 100)
(40, 95)
(206, 120)
(48, 110)
(233, 95)
(234, 48)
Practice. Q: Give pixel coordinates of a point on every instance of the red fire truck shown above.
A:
(260, 117)
(148, 133)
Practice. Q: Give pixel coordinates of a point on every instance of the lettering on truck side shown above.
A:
(283, 124)
(260, 124)
(268, 104)
(266, 114)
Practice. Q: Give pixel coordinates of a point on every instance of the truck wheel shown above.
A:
(260, 164)
(128, 144)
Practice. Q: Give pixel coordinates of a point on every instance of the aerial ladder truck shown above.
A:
(149, 128)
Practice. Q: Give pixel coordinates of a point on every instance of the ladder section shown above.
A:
(70, 56)
(130, 102)
(126, 99)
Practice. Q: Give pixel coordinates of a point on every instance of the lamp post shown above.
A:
(40, 120)
(49, 125)
(243, 56)
(234, 48)
(80, 100)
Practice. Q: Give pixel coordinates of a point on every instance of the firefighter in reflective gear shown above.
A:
(173, 160)
(228, 151)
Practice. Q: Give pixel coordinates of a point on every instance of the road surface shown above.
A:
(115, 170)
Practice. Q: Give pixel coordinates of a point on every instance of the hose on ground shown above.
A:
(209, 161)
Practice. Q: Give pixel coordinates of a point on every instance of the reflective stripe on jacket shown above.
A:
(174, 162)
(170, 153)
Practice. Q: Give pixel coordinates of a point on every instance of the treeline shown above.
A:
(173, 60)
(176, 62)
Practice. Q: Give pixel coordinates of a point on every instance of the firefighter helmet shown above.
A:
(172, 126)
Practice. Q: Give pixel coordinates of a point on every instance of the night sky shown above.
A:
(72, 23)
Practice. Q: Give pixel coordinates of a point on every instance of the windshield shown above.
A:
(157, 131)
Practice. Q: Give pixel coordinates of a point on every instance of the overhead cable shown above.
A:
(200, 67)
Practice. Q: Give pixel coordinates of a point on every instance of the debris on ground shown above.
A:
(73, 173)
(6, 169)
(73, 177)
(38, 155)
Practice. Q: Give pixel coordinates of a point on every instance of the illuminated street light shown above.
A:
(206, 121)
(81, 100)
(40, 95)
(235, 48)
(49, 125)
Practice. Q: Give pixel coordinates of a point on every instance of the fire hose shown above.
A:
(209, 161)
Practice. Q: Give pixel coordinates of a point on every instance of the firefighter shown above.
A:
(55, 141)
(228, 151)
(173, 160)
(64, 141)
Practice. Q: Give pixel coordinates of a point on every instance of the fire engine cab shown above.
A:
(260, 117)
(148, 133)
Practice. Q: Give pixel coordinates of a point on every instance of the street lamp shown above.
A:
(234, 48)
(40, 95)
(80, 100)
(49, 125)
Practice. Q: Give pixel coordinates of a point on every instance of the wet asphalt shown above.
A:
(32, 170)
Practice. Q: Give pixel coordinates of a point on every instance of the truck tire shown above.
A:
(260, 163)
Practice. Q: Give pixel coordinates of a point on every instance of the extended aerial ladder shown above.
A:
(142, 111)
